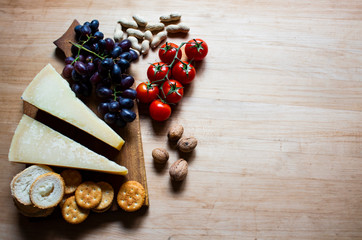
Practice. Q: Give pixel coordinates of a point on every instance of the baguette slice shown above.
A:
(47, 190)
(32, 211)
(21, 183)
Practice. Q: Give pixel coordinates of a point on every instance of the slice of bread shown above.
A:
(32, 211)
(20, 185)
(47, 190)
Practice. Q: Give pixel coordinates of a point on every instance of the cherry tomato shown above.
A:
(147, 92)
(184, 72)
(172, 91)
(196, 49)
(168, 51)
(159, 110)
(158, 71)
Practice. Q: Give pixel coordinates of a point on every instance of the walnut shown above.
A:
(160, 155)
(187, 144)
(178, 170)
(175, 132)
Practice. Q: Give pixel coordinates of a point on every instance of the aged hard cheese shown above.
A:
(51, 93)
(35, 143)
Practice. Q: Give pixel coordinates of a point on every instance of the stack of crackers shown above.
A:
(80, 197)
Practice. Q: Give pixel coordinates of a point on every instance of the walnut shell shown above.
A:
(160, 155)
(178, 170)
(187, 144)
(175, 132)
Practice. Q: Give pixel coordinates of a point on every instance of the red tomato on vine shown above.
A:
(147, 92)
(196, 49)
(158, 71)
(159, 110)
(172, 91)
(168, 51)
(183, 72)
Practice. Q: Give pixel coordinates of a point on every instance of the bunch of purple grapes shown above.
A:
(102, 64)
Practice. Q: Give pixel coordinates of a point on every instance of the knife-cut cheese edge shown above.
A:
(36, 143)
(50, 92)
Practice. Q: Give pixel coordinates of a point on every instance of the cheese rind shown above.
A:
(36, 143)
(51, 93)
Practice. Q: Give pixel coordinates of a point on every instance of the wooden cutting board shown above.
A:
(131, 154)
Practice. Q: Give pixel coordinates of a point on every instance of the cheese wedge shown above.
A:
(36, 143)
(51, 93)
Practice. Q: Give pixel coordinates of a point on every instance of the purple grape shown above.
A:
(123, 64)
(109, 44)
(116, 52)
(85, 30)
(125, 45)
(107, 63)
(94, 25)
(110, 118)
(126, 103)
(81, 58)
(116, 73)
(128, 115)
(113, 106)
(76, 76)
(98, 35)
(90, 68)
(86, 89)
(120, 122)
(127, 82)
(95, 78)
(129, 93)
(103, 108)
(67, 71)
(77, 89)
(104, 92)
(77, 29)
(134, 55)
(80, 67)
(126, 55)
(102, 45)
(95, 47)
(69, 60)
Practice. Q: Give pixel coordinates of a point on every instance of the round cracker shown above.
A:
(88, 195)
(65, 197)
(72, 213)
(107, 197)
(72, 179)
(103, 210)
(131, 196)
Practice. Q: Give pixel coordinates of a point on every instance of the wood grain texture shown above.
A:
(276, 107)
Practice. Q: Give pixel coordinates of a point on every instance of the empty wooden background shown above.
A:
(276, 107)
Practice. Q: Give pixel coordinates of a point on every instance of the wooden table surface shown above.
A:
(276, 107)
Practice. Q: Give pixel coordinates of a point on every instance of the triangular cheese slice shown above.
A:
(51, 93)
(36, 143)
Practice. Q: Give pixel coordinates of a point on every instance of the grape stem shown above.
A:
(81, 47)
